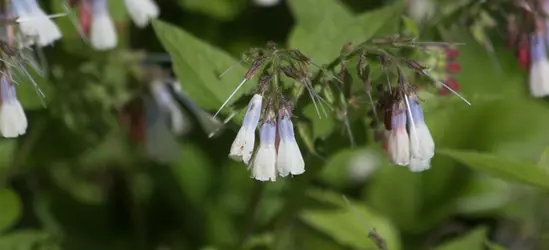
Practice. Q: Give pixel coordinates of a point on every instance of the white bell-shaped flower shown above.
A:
(289, 159)
(398, 143)
(34, 23)
(539, 68)
(243, 146)
(13, 121)
(103, 32)
(263, 165)
(422, 145)
(142, 11)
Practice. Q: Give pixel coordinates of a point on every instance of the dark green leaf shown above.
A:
(10, 207)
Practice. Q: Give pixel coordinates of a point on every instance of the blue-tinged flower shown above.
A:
(289, 159)
(422, 146)
(243, 145)
(103, 32)
(263, 165)
(398, 143)
(13, 121)
(539, 68)
(142, 11)
(34, 23)
(167, 104)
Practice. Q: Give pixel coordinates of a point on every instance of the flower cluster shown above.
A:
(409, 141)
(96, 22)
(278, 152)
(441, 63)
(527, 31)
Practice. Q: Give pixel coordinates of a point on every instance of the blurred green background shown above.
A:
(77, 181)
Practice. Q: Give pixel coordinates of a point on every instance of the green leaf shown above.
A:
(350, 225)
(27, 240)
(322, 126)
(350, 164)
(321, 37)
(198, 65)
(474, 240)
(502, 167)
(410, 26)
(10, 207)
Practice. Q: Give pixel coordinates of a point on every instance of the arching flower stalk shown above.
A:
(288, 77)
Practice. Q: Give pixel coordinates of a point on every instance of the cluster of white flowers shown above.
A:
(102, 31)
(409, 142)
(278, 152)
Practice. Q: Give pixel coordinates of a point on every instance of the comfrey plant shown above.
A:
(287, 75)
(96, 23)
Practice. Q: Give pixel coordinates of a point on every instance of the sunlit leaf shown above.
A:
(10, 207)
(198, 65)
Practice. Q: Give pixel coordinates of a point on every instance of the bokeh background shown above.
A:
(79, 181)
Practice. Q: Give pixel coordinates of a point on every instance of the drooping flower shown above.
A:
(422, 146)
(263, 165)
(13, 121)
(243, 146)
(142, 11)
(539, 67)
(167, 104)
(289, 158)
(103, 32)
(34, 23)
(398, 143)
(420, 10)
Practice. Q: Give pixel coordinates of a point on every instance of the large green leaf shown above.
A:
(350, 225)
(473, 240)
(322, 31)
(198, 65)
(10, 208)
(28, 240)
(502, 167)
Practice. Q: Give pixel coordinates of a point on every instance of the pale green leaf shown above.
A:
(473, 240)
(350, 225)
(198, 65)
(502, 167)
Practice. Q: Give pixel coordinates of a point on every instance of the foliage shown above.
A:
(77, 180)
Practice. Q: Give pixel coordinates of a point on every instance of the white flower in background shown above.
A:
(398, 143)
(266, 3)
(539, 68)
(142, 11)
(13, 121)
(160, 142)
(263, 165)
(362, 165)
(243, 146)
(103, 32)
(289, 159)
(167, 104)
(34, 23)
(420, 10)
(422, 146)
